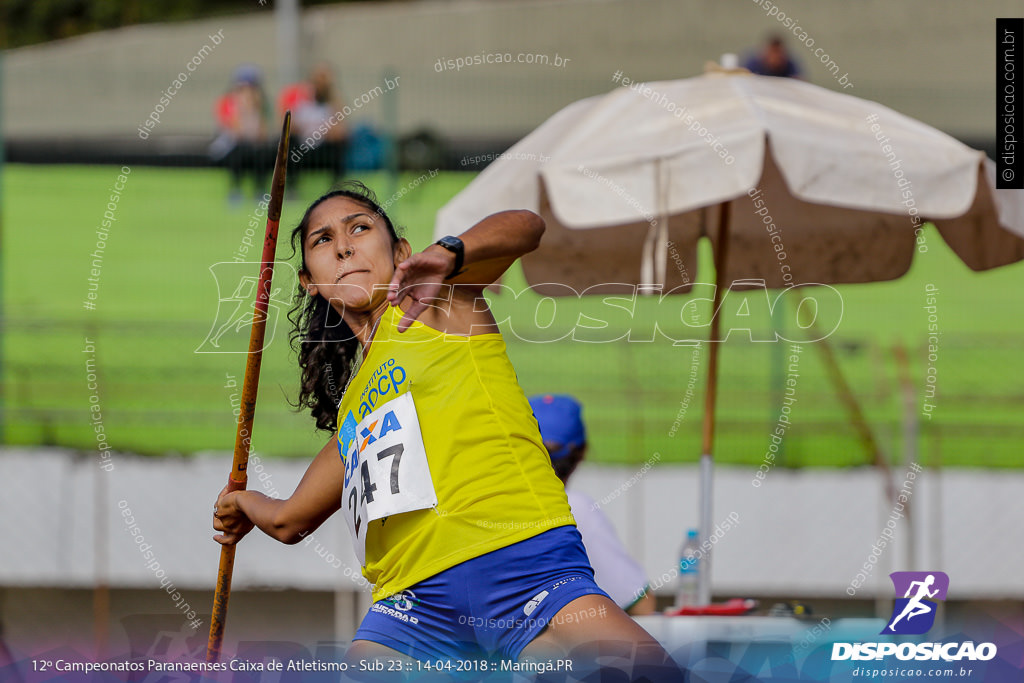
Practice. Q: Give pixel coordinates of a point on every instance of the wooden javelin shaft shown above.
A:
(250, 386)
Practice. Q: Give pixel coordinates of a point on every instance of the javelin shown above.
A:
(250, 385)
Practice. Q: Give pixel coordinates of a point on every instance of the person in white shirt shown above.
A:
(561, 427)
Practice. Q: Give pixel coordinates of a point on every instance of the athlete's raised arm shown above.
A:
(493, 244)
(488, 249)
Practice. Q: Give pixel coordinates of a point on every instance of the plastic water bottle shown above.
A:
(689, 570)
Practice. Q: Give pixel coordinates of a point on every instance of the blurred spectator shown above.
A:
(241, 144)
(773, 60)
(317, 123)
(561, 428)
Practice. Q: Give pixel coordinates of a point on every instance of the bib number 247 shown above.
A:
(386, 470)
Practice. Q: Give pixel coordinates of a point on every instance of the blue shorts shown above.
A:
(486, 607)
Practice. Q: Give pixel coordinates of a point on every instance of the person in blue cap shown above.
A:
(560, 419)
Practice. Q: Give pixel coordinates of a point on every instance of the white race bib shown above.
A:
(386, 470)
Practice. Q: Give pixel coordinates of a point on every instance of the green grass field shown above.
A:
(157, 299)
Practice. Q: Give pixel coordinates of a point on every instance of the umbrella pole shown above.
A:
(708, 432)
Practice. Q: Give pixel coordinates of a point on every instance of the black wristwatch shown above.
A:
(454, 245)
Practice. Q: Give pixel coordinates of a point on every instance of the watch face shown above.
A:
(454, 245)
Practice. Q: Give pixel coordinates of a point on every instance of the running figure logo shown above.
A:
(914, 613)
(236, 295)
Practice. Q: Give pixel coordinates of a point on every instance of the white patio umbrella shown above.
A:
(846, 181)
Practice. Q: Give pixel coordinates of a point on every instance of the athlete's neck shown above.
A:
(364, 323)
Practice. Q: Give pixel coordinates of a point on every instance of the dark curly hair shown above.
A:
(325, 345)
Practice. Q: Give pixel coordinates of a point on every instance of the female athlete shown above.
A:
(435, 460)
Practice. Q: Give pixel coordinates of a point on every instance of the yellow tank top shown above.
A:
(492, 475)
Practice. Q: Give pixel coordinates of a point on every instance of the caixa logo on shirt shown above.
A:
(917, 597)
(381, 387)
(351, 443)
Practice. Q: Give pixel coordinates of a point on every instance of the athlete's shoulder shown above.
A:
(457, 311)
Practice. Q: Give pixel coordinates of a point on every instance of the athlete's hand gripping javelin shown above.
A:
(229, 519)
